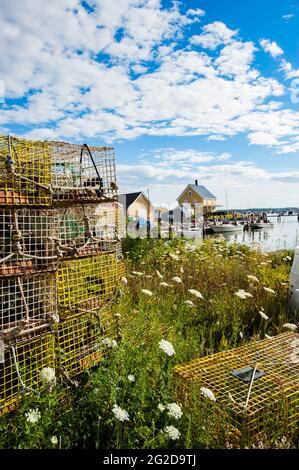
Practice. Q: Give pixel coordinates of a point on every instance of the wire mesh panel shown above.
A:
(25, 172)
(83, 341)
(256, 386)
(83, 173)
(21, 369)
(89, 229)
(27, 304)
(26, 240)
(88, 282)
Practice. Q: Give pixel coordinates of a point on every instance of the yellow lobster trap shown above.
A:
(25, 172)
(90, 229)
(256, 386)
(28, 304)
(27, 240)
(21, 367)
(83, 340)
(87, 283)
(82, 173)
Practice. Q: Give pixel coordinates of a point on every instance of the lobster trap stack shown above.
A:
(60, 260)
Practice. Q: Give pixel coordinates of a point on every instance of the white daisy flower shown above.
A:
(174, 410)
(207, 393)
(33, 416)
(120, 414)
(172, 433)
(131, 378)
(167, 347)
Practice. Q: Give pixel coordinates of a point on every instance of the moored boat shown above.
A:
(261, 225)
(225, 228)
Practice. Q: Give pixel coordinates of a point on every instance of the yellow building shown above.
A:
(195, 194)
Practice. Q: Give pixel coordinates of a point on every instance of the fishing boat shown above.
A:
(226, 228)
(262, 225)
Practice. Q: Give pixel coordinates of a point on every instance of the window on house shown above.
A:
(190, 193)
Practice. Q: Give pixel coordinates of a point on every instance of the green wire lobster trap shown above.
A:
(83, 341)
(27, 240)
(82, 173)
(25, 172)
(28, 304)
(20, 370)
(88, 282)
(256, 386)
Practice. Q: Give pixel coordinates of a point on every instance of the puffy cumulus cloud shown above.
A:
(214, 35)
(271, 47)
(119, 70)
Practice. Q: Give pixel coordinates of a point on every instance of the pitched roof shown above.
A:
(130, 197)
(203, 191)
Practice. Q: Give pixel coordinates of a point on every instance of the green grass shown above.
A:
(83, 417)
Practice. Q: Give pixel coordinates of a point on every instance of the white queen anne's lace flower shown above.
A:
(161, 407)
(174, 410)
(252, 278)
(54, 440)
(147, 292)
(120, 414)
(172, 433)
(167, 347)
(207, 393)
(33, 416)
(196, 293)
(131, 378)
(290, 326)
(47, 374)
(177, 279)
(267, 289)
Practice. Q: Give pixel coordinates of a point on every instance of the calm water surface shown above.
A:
(284, 234)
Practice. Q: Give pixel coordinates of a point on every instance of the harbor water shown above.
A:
(284, 235)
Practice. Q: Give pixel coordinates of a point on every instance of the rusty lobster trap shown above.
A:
(20, 369)
(86, 283)
(25, 172)
(27, 304)
(82, 173)
(90, 229)
(83, 340)
(27, 240)
(256, 386)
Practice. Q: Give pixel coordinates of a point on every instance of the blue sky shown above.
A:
(183, 90)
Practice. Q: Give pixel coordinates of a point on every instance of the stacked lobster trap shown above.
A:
(60, 259)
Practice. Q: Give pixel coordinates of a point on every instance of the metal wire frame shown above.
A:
(90, 229)
(25, 172)
(273, 397)
(81, 341)
(28, 304)
(88, 282)
(82, 173)
(20, 371)
(26, 240)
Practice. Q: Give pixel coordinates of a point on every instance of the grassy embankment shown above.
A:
(219, 321)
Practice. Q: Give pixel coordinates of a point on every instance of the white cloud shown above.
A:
(195, 12)
(288, 17)
(214, 35)
(271, 47)
(121, 71)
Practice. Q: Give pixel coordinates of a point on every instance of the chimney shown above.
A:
(196, 182)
